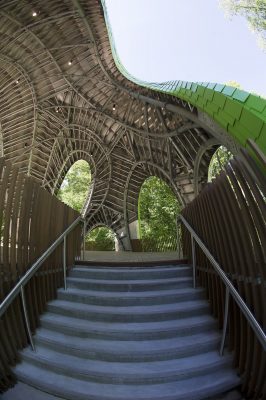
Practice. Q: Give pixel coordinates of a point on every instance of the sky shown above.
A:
(189, 40)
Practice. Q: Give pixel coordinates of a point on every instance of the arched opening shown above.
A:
(75, 186)
(219, 160)
(100, 238)
(158, 209)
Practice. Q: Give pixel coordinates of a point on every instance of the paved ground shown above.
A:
(25, 392)
(129, 256)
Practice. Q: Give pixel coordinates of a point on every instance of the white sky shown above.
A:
(190, 40)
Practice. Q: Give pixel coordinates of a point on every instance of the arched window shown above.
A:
(220, 158)
(100, 238)
(75, 187)
(158, 208)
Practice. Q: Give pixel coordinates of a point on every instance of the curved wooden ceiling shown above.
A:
(62, 98)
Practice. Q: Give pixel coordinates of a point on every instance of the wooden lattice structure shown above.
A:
(65, 96)
(63, 99)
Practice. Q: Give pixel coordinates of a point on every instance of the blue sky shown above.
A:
(190, 40)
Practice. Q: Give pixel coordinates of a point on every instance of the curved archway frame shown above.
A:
(160, 173)
(165, 124)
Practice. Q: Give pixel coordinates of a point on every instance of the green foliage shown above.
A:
(255, 13)
(101, 239)
(75, 186)
(219, 159)
(158, 210)
(233, 84)
(73, 192)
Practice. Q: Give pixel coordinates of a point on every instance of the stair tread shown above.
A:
(118, 327)
(130, 281)
(130, 273)
(129, 270)
(71, 388)
(128, 341)
(126, 295)
(134, 268)
(128, 346)
(148, 368)
(126, 310)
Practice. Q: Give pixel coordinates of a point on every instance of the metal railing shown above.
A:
(230, 289)
(19, 287)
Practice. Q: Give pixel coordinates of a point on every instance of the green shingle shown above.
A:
(201, 102)
(256, 103)
(200, 90)
(233, 108)
(251, 122)
(240, 95)
(218, 87)
(209, 94)
(241, 114)
(194, 98)
(219, 118)
(211, 85)
(241, 133)
(261, 141)
(194, 87)
(227, 117)
(228, 90)
(211, 107)
(219, 99)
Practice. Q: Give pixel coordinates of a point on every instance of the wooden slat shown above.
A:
(31, 219)
(229, 216)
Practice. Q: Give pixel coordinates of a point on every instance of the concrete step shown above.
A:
(129, 350)
(130, 331)
(126, 372)
(130, 298)
(159, 312)
(129, 285)
(21, 391)
(131, 273)
(195, 388)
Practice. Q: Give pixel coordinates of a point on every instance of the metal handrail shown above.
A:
(19, 287)
(230, 289)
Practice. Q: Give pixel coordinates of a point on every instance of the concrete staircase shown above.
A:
(128, 334)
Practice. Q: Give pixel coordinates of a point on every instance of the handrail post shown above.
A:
(84, 235)
(25, 312)
(178, 237)
(226, 309)
(193, 260)
(258, 330)
(64, 262)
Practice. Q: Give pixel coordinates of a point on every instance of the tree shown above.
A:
(233, 84)
(73, 192)
(220, 158)
(158, 210)
(254, 11)
(75, 186)
(101, 238)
